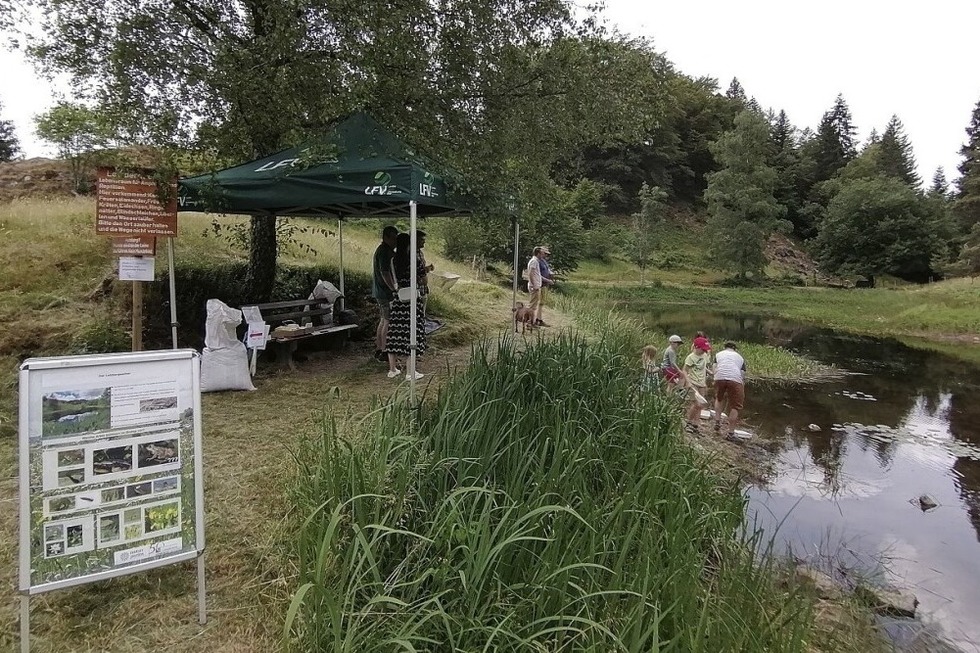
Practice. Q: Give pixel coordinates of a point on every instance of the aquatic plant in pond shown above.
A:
(538, 503)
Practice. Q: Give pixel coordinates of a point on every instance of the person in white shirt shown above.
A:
(535, 281)
(729, 386)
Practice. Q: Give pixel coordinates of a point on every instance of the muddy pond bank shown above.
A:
(845, 494)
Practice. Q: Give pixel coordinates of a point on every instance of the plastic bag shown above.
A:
(222, 320)
(329, 293)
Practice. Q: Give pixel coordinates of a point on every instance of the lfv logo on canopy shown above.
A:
(427, 187)
(307, 159)
(382, 185)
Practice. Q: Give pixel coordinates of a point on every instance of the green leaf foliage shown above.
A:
(9, 144)
(741, 202)
(488, 519)
(80, 133)
(876, 225)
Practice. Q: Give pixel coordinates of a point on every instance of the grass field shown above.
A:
(52, 263)
(948, 311)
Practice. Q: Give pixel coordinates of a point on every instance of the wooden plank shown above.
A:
(298, 315)
(289, 304)
(318, 332)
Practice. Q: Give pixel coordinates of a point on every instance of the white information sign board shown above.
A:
(111, 476)
(136, 268)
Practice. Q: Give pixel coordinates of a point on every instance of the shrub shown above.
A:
(100, 336)
(604, 241)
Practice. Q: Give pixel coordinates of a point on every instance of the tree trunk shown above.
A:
(261, 259)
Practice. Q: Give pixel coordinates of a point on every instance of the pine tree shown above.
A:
(873, 138)
(834, 146)
(784, 158)
(782, 131)
(740, 196)
(940, 187)
(736, 92)
(967, 206)
(895, 158)
(9, 145)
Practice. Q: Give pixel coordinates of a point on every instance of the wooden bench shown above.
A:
(302, 312)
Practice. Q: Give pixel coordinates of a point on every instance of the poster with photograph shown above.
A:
(110, 466)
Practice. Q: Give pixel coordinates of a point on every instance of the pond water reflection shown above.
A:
(906, 423)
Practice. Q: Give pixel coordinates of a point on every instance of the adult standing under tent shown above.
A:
(356, 169)
(383, 286)
(424, 268)
(401, 334)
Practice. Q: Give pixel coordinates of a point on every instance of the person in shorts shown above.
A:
(546, 280)
(729, 386)
(669, 367)
(384, 287)
(696, 370)
(535, 281)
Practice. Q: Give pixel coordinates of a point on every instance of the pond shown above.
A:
(904, 423)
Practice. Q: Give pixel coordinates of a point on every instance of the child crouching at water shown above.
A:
(651, 369)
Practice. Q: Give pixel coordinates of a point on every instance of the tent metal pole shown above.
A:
(173, 290)
(340, 230)
(413, 301)
(517, 259)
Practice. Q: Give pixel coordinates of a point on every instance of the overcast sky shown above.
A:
(914, 59)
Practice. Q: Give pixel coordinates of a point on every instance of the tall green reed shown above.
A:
(539, 502)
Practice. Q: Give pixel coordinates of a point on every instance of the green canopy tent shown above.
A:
(358, 168)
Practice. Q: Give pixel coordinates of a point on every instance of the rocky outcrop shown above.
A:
(888, 601)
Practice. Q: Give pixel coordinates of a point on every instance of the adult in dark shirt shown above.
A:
(398, 343)
(384, 287)
(422, 273)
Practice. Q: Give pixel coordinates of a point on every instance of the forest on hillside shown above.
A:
(594, 136)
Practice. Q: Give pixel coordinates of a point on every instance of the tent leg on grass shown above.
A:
(517, 259)
(340, 230)
(173, 290)
(413, 311)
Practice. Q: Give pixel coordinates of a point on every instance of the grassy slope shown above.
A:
(52, 260)
(942, 316)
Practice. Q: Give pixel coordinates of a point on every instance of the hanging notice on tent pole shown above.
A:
(110, 466)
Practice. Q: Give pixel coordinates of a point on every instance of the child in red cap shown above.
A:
(696, 371)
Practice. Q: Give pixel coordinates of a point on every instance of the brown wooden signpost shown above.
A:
(129, 208)
(128, 204)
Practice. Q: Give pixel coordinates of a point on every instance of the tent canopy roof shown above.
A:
(357, 168)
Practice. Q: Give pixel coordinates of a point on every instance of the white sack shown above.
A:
(225, 369)
(328, 293)
(219, 330)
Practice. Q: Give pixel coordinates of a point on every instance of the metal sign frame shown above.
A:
(136, 413)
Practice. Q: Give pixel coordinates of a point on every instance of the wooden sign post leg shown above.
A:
(25, 623)
(137, 316)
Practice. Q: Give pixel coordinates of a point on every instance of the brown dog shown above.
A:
(523, 316)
